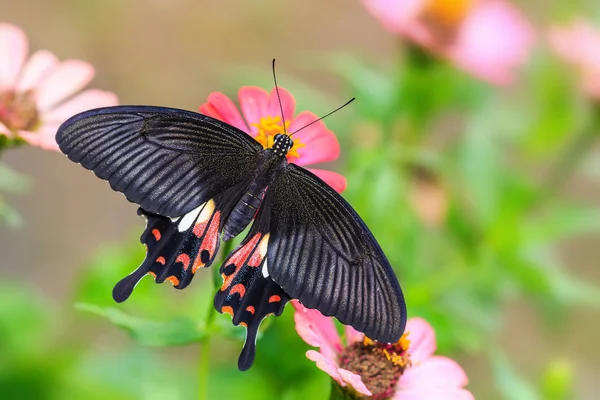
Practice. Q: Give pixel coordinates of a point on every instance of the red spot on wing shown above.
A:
(274, 299)
(173, 280)
(245, 325)
(184, 259)
(227, 309)
(152, 274)
(156, 234)
(250, 309)
(239, 289)
(238, 258)
(161, 260)
(209, 243)
(199, 229)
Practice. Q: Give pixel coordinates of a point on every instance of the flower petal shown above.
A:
(66, 79)
(44, 136)
(579, 46)
(355, 381)
(396, 16)
(436, 371)
(317, 330)
(493, 41)
(326, 365)
(422, 339)
(5, 131)
(254, 102)
(333, 179)
(221, 107)
(36, 68)
(352, 335)
(433, 393)
(320, 144)
(13, 50)
(288, 103)
(83, 101)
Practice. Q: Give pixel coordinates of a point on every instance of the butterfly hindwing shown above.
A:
(176, 248)
(248, 294)
(168, 161)
(322, 253)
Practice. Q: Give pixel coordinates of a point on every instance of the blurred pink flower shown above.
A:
(38, 94)
(578, 44)
(487, 38)
(406, 370)
(262, 120)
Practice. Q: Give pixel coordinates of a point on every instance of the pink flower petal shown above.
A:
(287, 102)
(397, 16)
(493, 41)
(352, 335)
(422, 339)
(36, 68)
(433, 393)
(13, 50)
(254, 102)
(5, 131)
(436, 371)
(83, 101)
(221, 107)
(317, 330)
(320, 144)
(67, 78)
(326, 365)
(44, 136)
(579, 46)
(355, 381)
(333, 179)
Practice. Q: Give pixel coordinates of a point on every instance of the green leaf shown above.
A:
(9, 216)
(12, 181)
(509, 383)
(173, 332)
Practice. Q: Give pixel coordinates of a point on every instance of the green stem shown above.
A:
(204, 362)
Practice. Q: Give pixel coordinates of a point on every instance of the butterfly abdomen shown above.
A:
(245, 209)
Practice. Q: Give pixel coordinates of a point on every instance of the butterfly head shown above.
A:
(282, 144)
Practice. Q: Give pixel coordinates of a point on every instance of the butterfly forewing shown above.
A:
(323, 254)
(168, 161)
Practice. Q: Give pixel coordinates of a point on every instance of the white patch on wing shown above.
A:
(265, 271)
(188, 219)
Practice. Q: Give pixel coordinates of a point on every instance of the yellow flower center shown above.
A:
(448, 13)
(443, 18)
(270, 126)
(396, 353)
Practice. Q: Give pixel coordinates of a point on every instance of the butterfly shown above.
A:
(199, 181)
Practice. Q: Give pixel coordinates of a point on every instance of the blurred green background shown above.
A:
(506, 272)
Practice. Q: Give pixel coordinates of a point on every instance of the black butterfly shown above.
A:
(197, 178)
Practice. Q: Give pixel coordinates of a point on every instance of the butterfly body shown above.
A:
(198, 181)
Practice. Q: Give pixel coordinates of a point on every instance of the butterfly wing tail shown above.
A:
(176, 248)
(247, 294)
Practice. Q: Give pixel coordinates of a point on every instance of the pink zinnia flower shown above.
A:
(406, 370)
(487, 38)
(262, 120)
(37, 95)
(578, 44)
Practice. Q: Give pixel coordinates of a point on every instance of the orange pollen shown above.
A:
(448, 13)
(396, 353)
(18, 111)
(270, 126)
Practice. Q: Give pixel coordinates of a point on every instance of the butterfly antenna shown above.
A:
(279, 98)
(324, 116)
